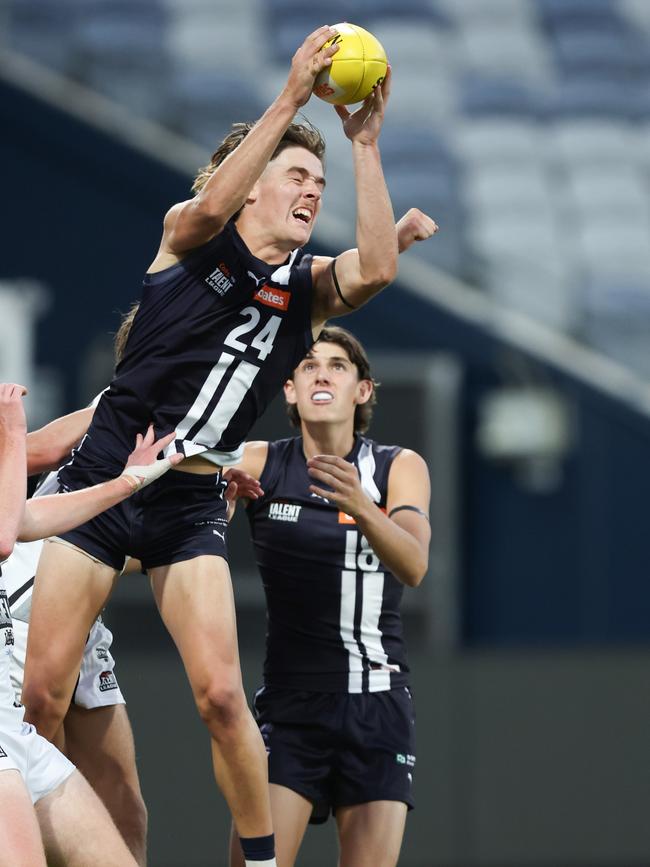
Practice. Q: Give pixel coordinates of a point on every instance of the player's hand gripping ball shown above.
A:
(358, 65)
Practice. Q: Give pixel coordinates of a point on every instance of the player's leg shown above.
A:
(291, 813)
(77, 830)
(19, 832)
(69, 592)
(370, 835)
(100, 743)
(196, 603)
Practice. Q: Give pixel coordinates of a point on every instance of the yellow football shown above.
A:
(358, 65)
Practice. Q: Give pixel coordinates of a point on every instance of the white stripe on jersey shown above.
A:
(227, 405)
(208, 389)
(366, 465)
(348, 599)
(282, 274)
(373, 594)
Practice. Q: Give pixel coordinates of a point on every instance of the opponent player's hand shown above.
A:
(343, 478)
(364, 124)
(310, 59)
(142, 468)
(414, 226)
(241, 485)
(12, 411)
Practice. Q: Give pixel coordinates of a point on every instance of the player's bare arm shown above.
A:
(364, 271)
(50, 445)
(401, 539)
(58, 513)
(13, 479)
(194, 222)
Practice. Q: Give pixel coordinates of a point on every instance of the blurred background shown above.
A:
(513, 354)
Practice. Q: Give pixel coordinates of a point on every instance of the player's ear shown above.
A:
(290, 392)
(364, 390)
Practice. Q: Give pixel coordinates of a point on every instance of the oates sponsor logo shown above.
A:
(273, 297)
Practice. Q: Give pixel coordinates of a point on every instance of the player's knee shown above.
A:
(44, 707)
(222, 703)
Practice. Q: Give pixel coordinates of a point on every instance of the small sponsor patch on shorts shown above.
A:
(3, 755)
(407, 760)
(107, 681)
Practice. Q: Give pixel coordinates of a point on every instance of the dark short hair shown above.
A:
(304, 135)
(357, 355)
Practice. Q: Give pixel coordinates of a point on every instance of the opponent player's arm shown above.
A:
(50, 445)
(58, 513)
(354, 277)
(400, 537)
(192, 223)
(13, 478)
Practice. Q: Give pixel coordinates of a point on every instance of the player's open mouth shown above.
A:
(302, 214)
(322, 397)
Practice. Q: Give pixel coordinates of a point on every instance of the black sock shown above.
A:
(258, 848)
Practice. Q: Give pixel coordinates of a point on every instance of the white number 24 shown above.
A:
(263, 340)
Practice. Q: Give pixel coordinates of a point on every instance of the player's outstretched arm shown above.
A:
(192, 223)
(400, 538)
(58, 513)
(50, 445)
(13, 478)
(362, 272)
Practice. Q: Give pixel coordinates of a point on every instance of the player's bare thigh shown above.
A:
(69, 592)
(19, 831)
(370, 835)
(196, 602)
(291, 813)
(77, 830)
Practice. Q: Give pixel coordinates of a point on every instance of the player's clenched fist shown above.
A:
(414, 226)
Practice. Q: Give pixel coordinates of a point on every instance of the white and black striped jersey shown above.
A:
(9, 713)
(332, 607)
(19, 570)
(214, 340)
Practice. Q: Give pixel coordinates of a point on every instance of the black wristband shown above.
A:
(338, 288)
(408, 509)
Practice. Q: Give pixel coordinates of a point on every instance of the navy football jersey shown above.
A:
(215, 338)
(333, 608)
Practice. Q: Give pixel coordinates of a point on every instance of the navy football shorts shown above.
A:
(178, 517)
(339, 749)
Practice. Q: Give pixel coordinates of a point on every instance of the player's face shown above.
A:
(326, 386)
(289, 194)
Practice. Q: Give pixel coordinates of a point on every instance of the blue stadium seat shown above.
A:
(621, 55)
(595, 97)
(203, 104)
(481, 96)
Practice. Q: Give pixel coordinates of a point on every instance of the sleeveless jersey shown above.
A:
(214, 340)
(11, 714)
(333, 608)
(19, 570)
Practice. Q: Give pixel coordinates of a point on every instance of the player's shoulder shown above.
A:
(408, 466)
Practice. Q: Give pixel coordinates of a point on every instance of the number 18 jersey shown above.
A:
(213, 341)
(333, 608)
